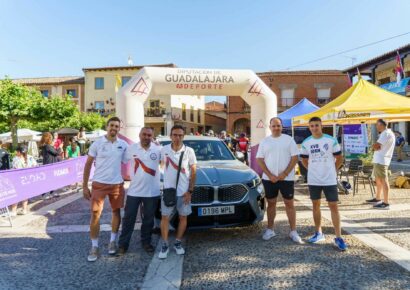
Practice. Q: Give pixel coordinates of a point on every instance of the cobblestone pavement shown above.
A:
(239, 259)
(58, 261)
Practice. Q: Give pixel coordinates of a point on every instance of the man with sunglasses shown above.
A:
(322, 156)
(145, 159)
(170, 156)
(108, 152)
(277, 156)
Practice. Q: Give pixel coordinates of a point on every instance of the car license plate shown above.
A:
(216, 210)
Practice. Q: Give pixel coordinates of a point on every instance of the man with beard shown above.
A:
(108, 152)
(145, 159)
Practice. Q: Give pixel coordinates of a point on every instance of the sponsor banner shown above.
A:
(355, 138)
(21, 184)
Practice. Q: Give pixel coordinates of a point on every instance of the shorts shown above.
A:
(182, 208)
(286, 188)
(330, 191)
(380, 170)
(115, 194)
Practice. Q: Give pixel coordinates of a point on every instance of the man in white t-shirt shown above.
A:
(145, 158)
(383, 153)
(277, 156)
(321, 156)
(170, 157)
(107, 152)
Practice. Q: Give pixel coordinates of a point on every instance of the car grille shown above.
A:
(232, 193)
(202, 194)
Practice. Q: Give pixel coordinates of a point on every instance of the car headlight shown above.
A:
(254, 182)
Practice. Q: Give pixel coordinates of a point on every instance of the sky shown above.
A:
(59, 38)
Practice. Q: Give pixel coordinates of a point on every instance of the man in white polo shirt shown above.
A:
(145, 158)
(170, 156)
(277, 156)
(108, 152)
(383, 153)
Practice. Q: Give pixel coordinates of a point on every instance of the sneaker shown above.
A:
(56, 194)
(340, 244)
(373, 200)
(22, 212)
(121, 251)
(399, 160)
(46, 196)
(382, 205)
(178, 248)
(268, 234)
(93, 255)
(163, 254)
(293, 235)
(317, 238)
(148, 248)
(112, 248)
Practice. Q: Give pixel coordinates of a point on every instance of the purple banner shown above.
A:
(21, 184)
(352, 129)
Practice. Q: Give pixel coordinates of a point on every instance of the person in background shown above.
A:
(400, 142)
(322, 157)
(226, 139)
(243, 146)
(50, 155)
(82, 140)
(22, 160)
(56, 143)
(72, 150)
(383, 153)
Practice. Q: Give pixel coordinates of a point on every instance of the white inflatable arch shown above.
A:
(157, 81)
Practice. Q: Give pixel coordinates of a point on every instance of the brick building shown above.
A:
(215, 116)
(320, 87)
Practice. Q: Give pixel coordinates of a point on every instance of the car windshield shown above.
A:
(208, 150)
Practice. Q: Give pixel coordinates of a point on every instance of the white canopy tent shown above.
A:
(23, 135)
(94, 135)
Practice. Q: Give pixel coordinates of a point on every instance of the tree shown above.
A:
(16, 102)
(92, 121)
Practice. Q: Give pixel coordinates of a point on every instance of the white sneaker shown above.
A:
(163, 254)
(179, 249)
(268, 234)
(293, 235)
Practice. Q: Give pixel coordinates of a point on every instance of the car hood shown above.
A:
(216, 173)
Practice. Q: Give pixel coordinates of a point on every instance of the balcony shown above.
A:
(154, 112)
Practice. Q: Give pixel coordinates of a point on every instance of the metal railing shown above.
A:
(155, 112)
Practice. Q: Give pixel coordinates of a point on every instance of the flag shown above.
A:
(349, 80)
(399, 68)
(118, 83)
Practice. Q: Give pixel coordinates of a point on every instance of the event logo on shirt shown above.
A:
(153, 156)
(326, 147)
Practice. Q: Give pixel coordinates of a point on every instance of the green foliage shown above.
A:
(92, 121)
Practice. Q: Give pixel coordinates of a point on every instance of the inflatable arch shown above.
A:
(156, 81)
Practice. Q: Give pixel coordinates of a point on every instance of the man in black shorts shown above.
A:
(321, 155)
(277, 156)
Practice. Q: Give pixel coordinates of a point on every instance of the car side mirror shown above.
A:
(240, 156)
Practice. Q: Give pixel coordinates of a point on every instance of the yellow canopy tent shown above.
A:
(362, 103)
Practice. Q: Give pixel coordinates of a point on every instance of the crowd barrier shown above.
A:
(20, 184)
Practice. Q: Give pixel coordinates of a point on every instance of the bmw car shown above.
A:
(227, 192)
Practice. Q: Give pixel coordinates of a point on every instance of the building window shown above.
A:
(44, 93)
(199, 117)
(71, 92)
(192, 114)
(384, 81)
(99, 105)
(184, 112)
(155, 109)
(323, 95)
(124, 80)
(99, 83)
(287, 96)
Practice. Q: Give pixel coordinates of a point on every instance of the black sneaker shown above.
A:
(382, 205)
(148, 248)
(399, 160)
(373, 200)
(121, 251)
